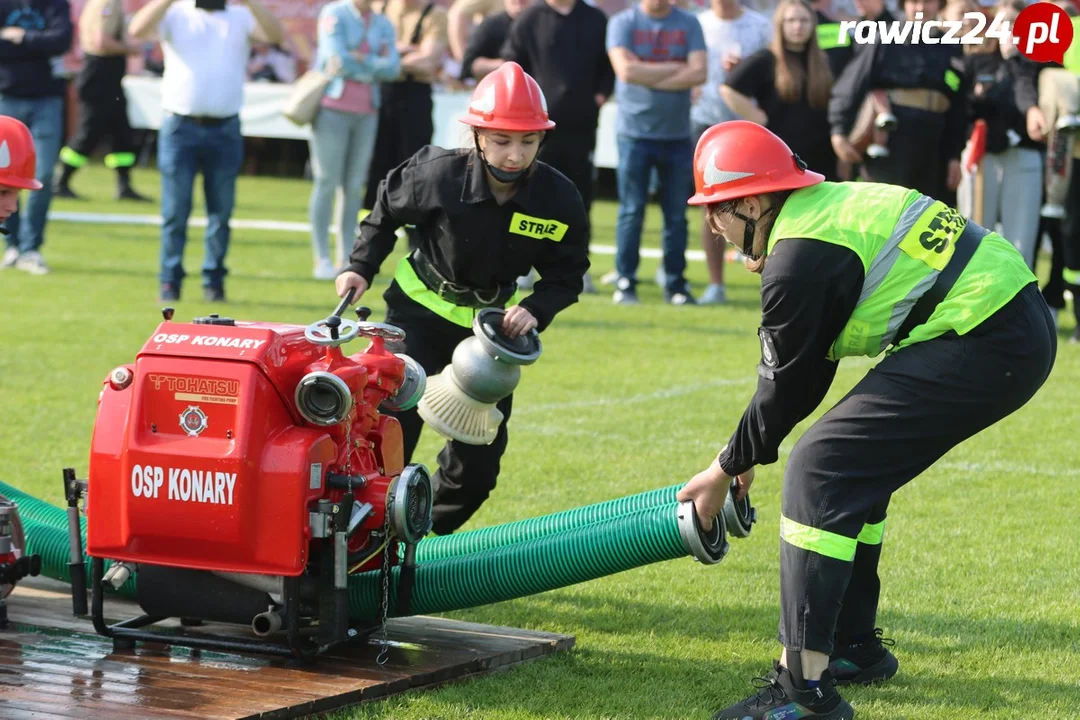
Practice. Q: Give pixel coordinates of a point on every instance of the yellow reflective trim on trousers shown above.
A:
(72, 158)
(1071, 276)
(415, 288)
(818, 541)
(872, 534)
(119, 160)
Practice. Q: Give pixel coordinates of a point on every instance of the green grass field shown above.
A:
(981, 565)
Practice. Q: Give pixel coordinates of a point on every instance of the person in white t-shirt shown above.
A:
(206, 44)
(732, 32)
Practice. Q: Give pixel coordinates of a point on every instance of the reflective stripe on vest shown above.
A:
(904, 240)
(415, 288)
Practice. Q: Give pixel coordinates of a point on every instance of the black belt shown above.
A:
(205, 120)
(964, 249)
(456, 294)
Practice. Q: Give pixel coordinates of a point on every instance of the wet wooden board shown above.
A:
(53, 665)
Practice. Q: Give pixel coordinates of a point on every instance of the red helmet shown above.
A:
(509, 100)
(739, 158)
(18, 159)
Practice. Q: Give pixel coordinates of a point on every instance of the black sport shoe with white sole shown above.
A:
(778, 698)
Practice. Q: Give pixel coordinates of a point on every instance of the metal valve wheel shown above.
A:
(323, 332)
(391, 333)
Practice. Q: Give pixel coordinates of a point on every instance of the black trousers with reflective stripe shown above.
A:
(102, 106)
(910, 409)
(467, 473)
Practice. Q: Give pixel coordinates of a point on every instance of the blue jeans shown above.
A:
(45, 118)
(184, 149)
(673, 161)
(341, 147)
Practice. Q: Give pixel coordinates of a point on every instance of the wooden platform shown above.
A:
(53, 665)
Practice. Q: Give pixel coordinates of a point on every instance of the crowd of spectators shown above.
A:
(900, 113)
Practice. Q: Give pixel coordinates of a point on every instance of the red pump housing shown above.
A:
(202, 457)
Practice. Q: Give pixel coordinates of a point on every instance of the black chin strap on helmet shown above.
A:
(750, 225)
(502, 175)
(749, 229)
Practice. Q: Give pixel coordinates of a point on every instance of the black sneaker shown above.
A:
(777, 698)
(129, 193)
(864, 662)
(169, 293)
(214, 294)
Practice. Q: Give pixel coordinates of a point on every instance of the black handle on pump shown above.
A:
(334, 321)
(345, 302)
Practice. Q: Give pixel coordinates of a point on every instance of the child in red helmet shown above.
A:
(483, 217)
(18, 161)
(848, 270)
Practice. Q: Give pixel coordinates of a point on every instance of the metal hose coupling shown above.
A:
(736, 518)
(709, 547)
(460, 402)
(739, 515)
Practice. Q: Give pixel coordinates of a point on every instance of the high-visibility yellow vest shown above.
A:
(904, 240)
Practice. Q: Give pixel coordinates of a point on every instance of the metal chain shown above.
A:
(384, 652)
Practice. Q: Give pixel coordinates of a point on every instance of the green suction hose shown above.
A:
(499, 563)
(533, 566)
(46, 529)
(471, 541)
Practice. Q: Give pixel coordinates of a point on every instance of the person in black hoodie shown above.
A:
(562, 44)
(33, 36)
(1011, 169)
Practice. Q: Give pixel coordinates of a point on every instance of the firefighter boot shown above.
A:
(124, 191)
(863, 661)
(62, 184)
(781, 695)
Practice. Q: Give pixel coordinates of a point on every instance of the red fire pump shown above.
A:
(241, 471)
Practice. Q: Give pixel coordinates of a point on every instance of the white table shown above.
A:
(261, 115)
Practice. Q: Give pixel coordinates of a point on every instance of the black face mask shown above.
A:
(502, 175)
(210, 5)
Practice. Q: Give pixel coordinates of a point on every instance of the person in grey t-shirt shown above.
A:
(732, 32)
(658, 53)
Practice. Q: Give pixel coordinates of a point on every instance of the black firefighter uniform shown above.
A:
(102, 103)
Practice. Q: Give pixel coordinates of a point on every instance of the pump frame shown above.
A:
(299, 645)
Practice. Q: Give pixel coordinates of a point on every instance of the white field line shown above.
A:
(694, 436)
(607, 402)
(281, 226)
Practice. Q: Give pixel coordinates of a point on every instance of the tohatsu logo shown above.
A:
(200, 386)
